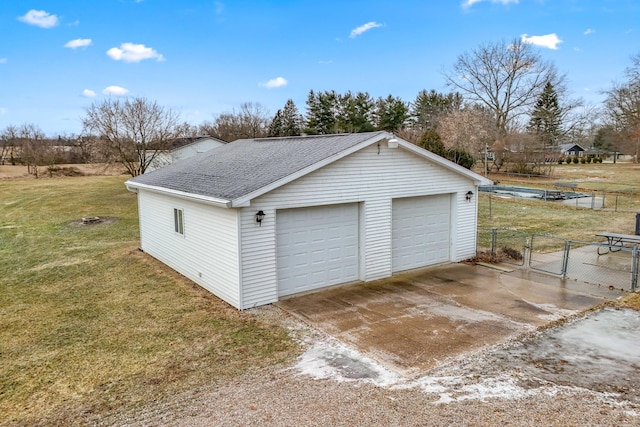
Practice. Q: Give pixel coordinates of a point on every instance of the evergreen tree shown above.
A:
(322, 114)
(356, 113)
(391, 113)
(546, 118)
(275, 127)
(431, 141)
(287, 121)
(291, 120)
(429, 106)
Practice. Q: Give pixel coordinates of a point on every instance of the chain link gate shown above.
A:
(548, 253)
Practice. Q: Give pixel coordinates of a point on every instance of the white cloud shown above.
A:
(549, 41)
(39, 18)
(74, 44)
(274, 83)
(469, 3)
(129, 52)
(589, 31)
(115, 90)
(363, 28)
(3, 111)
(90, 94)
(3, 60)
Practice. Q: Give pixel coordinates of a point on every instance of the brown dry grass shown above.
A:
(89, 325)
(90, 169)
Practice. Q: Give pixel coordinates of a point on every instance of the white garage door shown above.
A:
(316, 247)
(420, 231)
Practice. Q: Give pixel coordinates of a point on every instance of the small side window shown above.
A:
(178, 220)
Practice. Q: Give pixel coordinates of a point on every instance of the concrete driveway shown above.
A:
(413, 322)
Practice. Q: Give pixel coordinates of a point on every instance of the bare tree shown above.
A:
(34, 149)
(8, 145)
(250, 121)
(470, 129)
(622, 107)
(505, 77)
(132, 132)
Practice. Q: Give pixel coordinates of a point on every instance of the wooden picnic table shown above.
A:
(616, 241)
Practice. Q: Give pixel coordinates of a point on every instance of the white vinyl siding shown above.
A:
(208, 251)
(372, 177)
(316, 247)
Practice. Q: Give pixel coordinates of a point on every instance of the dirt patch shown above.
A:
(93, 221)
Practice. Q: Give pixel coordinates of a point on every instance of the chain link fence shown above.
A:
(588, 262)
(612, 268)
(618, 198)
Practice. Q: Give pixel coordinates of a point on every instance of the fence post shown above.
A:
(494, 239)
(565, 258)
(634, 269)
(490, 213)
(528, 245)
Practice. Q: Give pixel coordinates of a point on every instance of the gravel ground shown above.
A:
(469, 391)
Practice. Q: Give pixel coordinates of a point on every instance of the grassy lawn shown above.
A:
(90, 325)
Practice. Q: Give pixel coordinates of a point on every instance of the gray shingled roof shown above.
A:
(241, 167)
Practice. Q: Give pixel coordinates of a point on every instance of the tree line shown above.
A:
(504, 99)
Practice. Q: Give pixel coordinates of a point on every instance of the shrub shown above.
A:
(64, 171)
(460, 157)
(575, 160)
(511, 253)
(560, 161)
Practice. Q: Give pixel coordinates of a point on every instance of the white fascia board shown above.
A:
(246, 200)
(222, 203)
(478, 179)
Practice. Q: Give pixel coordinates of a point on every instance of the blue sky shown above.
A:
(202, 58)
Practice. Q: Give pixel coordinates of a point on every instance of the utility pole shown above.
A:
(486, 158)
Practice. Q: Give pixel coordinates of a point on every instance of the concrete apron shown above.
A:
(415, 321)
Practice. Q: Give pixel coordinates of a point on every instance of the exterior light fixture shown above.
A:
(393, 142)
(259, 217)
(469, 195)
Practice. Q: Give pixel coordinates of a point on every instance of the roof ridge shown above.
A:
(324, 135)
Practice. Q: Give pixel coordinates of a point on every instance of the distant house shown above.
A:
(183, 148)
(596, 152)
(259, 219)
(571, 150)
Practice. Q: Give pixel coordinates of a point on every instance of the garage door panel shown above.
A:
(420, 231)
(316, 247)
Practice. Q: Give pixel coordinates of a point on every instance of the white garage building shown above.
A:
(258, 219)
